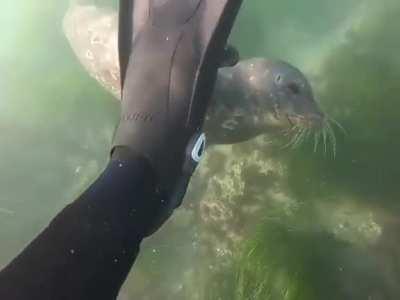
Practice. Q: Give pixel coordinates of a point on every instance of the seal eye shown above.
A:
(294, 88)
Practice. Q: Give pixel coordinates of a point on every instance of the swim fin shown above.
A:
(170, 51)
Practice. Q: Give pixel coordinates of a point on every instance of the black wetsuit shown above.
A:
(88, 249)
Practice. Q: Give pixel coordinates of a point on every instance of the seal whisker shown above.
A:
(334, 145)
(294, 138)
(324, 137)
(300, 138)
(290, 130)
(332, 120)
(305, 136)
(317, 136)
(332, 137)
(315, 142)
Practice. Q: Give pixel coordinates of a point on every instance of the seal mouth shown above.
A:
(318, 126)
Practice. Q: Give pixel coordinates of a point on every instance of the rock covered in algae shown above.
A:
(231, 189)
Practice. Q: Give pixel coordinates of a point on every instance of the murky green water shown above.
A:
(258, 222)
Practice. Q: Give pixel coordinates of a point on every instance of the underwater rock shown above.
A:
(349, 220)
(239, 186)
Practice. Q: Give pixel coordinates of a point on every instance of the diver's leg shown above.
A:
(88, 249)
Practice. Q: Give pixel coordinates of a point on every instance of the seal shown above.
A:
(261, 96)
(256, 96)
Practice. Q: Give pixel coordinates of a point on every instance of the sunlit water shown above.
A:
(259, 222)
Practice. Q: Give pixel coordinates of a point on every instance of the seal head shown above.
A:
(260, 96)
